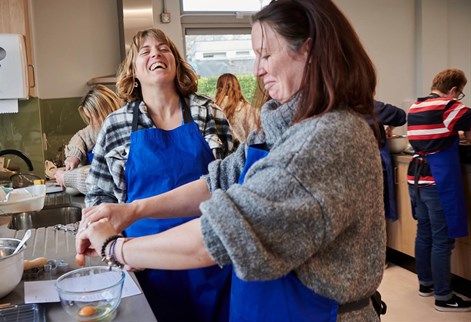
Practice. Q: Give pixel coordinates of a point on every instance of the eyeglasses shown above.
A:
(461, 96)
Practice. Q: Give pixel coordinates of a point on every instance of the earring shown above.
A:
(136, 84)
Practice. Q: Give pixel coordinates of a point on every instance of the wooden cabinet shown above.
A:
(14, 18)
(401, 233)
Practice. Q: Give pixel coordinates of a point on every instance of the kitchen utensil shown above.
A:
(91, 293)
(23, 241)
(11, 265)
(397, 143)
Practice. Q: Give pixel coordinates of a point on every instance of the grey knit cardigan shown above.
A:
(313, 206)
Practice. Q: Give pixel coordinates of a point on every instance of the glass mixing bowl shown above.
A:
(91, 293)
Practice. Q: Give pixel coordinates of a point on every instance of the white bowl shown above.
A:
(397, 143)
(11, 266)
(91, 293)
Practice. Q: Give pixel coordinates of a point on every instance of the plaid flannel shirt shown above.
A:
(106, 182)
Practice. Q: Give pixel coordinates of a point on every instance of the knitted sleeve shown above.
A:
(81, 143)
(76, 178)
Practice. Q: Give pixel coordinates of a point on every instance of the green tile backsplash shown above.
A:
(40, 130)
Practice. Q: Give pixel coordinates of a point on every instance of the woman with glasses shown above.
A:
(435, 185)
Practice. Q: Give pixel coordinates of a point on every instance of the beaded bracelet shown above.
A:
(110, 259)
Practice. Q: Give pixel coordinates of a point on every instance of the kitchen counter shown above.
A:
(60, 245)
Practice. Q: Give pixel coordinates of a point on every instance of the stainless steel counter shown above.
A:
(54, 244)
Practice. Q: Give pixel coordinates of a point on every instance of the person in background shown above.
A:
(242, 117)
(435, 186)
(390, 116)
(94, 108)
(297, 209)
(165, 136)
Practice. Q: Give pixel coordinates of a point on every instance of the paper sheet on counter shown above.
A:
(45, 291)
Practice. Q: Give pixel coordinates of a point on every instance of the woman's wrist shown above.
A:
(137, 210)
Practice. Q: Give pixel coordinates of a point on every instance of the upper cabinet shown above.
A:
(14, 18)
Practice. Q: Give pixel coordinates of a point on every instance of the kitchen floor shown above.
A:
(399, 289)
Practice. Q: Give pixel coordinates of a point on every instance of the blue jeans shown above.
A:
(432, 245)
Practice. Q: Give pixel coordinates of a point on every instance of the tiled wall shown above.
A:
(40, 130)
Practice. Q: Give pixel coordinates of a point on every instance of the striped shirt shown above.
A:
(433, 123)
(106, 182)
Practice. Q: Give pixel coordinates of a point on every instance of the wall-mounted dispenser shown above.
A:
(13, 67)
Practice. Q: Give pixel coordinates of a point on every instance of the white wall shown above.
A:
(387, 30)
(409, 41)
(73, 41)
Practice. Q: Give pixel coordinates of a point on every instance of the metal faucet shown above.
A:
(18, 154)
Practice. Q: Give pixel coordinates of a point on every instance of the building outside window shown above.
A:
(218, 41)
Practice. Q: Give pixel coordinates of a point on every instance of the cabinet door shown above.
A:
(14, 18)
(401, 233)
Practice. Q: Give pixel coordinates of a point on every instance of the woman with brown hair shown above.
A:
(242, 117)
(297, 209)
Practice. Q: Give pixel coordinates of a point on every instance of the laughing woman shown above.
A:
(165, 136)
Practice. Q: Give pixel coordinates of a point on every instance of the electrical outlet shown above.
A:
(165, 17)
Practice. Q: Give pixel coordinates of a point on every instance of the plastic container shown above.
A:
(24, 199)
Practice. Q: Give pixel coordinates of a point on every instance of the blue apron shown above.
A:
(390, 207)
(90, 157)
(284, 299)
(446, 170)
(160, 161)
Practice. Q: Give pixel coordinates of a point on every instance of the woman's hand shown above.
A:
(90, 239)
(71, 163)
(120, 216)
(60, 177)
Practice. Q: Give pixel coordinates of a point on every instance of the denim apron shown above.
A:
(390, 207)
(160, 161)
(284, 299)
(446, 170)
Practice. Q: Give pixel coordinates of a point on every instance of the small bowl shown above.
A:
(91, 293)
(11, 266)
(397, 143)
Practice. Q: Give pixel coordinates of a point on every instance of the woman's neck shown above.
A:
(163, 107)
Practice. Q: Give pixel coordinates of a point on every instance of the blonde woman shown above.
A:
(94, 108)
(241, 115)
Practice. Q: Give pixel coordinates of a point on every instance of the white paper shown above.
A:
(8, 106)
(46, 292)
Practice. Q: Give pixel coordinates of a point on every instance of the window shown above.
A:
(218, 41)
(222, 5)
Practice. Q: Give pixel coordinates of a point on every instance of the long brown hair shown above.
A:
(338, 72)
(228, 86)
(186, 81)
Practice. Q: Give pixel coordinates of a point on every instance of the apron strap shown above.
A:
(353, 306)
(187, 118)
(135, 115)
(418, 164)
